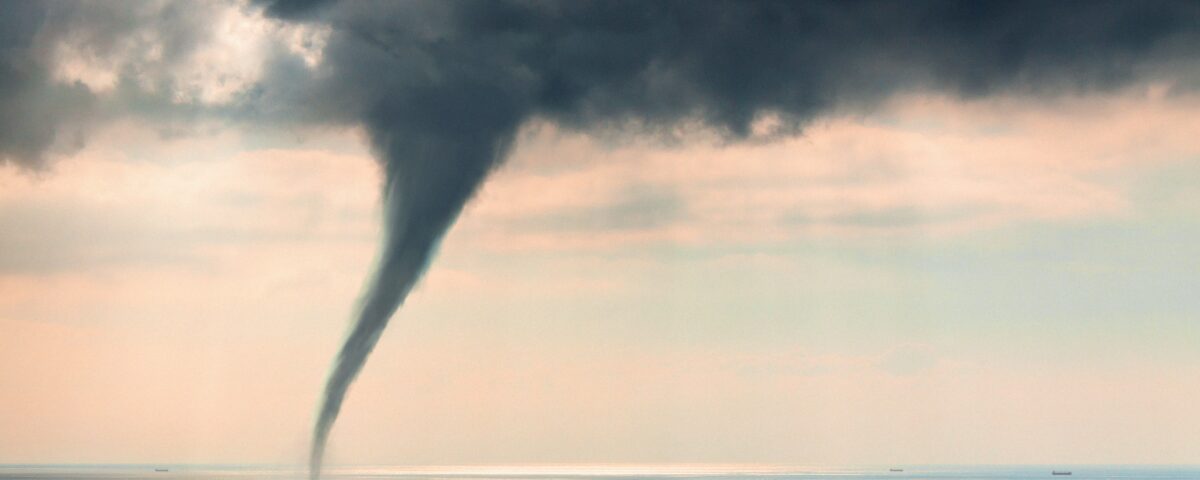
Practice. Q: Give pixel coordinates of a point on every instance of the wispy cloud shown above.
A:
(928, 166)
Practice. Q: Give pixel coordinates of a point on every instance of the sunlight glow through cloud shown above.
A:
(227, 62)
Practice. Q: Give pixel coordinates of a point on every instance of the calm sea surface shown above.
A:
(179, 472)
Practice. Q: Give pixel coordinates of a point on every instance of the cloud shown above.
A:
(69, 67)
(35, 112)
(923, 167)
(103, 211)
(631, 66)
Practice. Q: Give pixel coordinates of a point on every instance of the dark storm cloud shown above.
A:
(35, 112)
(442, 87)
(583, 63)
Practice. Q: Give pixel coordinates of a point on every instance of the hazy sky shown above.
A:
(940, 278)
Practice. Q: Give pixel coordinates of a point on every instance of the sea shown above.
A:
(605, 472)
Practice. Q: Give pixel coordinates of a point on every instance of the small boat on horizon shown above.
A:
(1060, 472)
(895, 469)
(162, 470)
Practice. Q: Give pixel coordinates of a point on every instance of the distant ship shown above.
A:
(895, 469)
(161, 470)
(1056, 472)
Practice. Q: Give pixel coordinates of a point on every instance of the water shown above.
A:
(723, 472)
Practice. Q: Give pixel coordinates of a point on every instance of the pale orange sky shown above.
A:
(986, 281)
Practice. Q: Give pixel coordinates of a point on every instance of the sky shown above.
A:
(949, 265)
